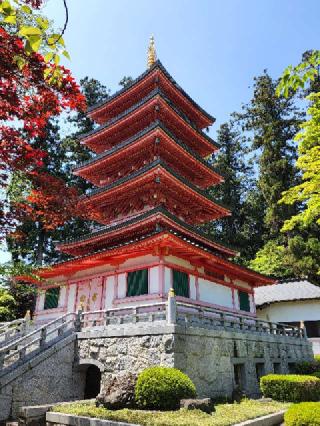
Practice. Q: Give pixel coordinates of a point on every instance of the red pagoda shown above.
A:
(151, 179)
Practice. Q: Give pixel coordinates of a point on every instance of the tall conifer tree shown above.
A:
(243, 229)
(272, 122)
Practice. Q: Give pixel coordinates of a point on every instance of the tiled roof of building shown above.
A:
(286, 291)
(159, 65)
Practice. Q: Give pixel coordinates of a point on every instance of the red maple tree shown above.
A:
(29, 97)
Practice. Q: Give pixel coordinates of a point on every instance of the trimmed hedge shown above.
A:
(291, 388)
(161, 388)
(303, 414)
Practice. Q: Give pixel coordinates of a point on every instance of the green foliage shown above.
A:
(241, 230)
(307, 192)
(225, 414)
(24, 295)
(271, 123)
(34, 29)
(161, 388)
(7, 305)
(298, 256)
(304, 74)
(307, 367)
(269, 260)
(293, 388)
(317, 357)
(303, 414)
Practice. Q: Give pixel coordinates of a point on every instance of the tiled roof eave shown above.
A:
(145, 169)
(107, 229)
(223, 262)
(144, 132)
(153, 94)
(159, 65)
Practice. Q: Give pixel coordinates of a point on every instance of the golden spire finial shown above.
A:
(152, 55)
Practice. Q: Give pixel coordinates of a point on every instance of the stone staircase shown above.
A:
(22, 349)
(11, 331)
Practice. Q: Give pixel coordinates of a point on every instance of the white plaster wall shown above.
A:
(154, 280)
(179, 262)
(62, 296)
(252, 303)
(122, 285)
(72, 298)
(215, 293)
(242, 284)
(315, 345)
(167, 279)
(291, 311)
(193, 291)
(109, 291)
(41, 297)
(138, 261)
(131, 303)
(236, 299)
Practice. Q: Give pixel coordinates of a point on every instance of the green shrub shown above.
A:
(317, 358)
(316, 374)
(290, 387)
(303, 414)
(307, 367)
(161, 388)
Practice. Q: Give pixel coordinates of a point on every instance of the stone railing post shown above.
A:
(171, 308)
(77, 323)
(43, 336)
(2, 356)
(27, 319)
(303, 330)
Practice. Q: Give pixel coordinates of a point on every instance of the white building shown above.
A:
(292, 302)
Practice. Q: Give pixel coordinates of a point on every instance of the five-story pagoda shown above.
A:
(151, 179)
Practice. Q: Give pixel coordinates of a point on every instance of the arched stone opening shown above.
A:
(92, 382)
(90, 371)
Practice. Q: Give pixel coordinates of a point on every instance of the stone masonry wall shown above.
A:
(46, 379)
(126, 353)
(207, 356)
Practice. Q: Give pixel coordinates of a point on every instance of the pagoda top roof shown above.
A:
(142, 217)
(178, 244)
(157, 123)
(153, 94)
(156, 65)
(145, 169)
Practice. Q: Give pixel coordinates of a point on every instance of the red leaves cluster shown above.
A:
(51, 202)
(27, 102)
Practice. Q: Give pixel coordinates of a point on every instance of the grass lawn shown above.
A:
(225, 415)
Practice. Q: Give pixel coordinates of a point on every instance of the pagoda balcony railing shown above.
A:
(186, 315)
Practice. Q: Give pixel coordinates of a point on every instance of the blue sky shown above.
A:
(213, 48)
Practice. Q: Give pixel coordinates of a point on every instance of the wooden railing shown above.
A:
(26, 347)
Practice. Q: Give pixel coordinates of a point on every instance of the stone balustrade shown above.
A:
(20, 350)
(171, 312)
(188, 314)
